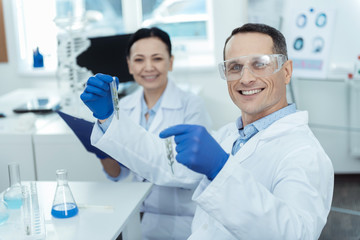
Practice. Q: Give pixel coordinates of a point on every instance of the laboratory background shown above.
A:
(48, 49)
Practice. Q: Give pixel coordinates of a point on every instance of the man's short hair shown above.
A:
(279, 42)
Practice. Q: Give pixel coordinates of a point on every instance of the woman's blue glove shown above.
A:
(97, 95)
(197, 149)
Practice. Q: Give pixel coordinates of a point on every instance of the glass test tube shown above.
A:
(27, 209)
(114, 97)
(170, 153)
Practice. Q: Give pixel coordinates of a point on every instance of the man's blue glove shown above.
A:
(197, 149)
(97, 95)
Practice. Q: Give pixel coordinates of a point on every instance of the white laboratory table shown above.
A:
(105, 210)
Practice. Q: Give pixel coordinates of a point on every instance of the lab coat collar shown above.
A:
(278, 128)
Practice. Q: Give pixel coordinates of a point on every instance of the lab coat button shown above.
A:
(241, 144)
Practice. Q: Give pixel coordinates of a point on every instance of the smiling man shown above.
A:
(265, 176)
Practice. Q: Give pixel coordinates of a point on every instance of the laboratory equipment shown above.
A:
(72, 40)
(12, 195)
(39, 105)
(4, 212)
(26, 209)
(70, 77)
(170, 153)
(114, 97)
(200, 152)
(38, 59)
(32, 216)
(64, 205)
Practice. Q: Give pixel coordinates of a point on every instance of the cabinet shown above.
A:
(334, 117)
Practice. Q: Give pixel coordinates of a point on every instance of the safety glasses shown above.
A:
(258, 65)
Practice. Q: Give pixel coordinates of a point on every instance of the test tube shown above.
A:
(170, 153)
(114, 97)
(26, 209)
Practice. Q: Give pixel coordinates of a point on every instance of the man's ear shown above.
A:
(171, 63)
(288, 68)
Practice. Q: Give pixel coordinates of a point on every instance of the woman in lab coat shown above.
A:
(158, 104)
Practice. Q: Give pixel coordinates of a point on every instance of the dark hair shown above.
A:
(148, 33)
(279, 42)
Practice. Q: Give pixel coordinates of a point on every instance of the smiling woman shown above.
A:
(3, 52)
(156, 105)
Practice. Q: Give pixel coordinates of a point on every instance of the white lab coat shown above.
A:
(279, 185)
(168, 211)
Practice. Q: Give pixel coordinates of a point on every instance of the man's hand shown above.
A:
(97, 96)
(197, 149)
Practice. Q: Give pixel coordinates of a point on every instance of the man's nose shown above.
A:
(246, 76)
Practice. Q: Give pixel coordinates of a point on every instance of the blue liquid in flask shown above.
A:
(12, 195)
(13, 202)
(64, 210)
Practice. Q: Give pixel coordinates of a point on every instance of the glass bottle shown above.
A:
(64, 205)
(13, 194)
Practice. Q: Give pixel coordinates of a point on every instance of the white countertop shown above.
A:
(105, 210)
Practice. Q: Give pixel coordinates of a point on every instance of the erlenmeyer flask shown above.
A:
(64, 205)
(13, 195)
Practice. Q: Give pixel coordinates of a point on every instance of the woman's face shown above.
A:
(149, 63)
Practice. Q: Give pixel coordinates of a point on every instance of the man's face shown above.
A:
(256, 96)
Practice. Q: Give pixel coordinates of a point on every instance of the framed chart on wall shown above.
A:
(3, 53)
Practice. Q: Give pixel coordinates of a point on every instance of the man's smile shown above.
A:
(250, 92)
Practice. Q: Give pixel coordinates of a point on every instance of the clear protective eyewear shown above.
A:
(258, 65)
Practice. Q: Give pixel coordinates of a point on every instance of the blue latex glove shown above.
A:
(197, 149)
(97, 95)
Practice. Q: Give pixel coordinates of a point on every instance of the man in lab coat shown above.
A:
(264, 176)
